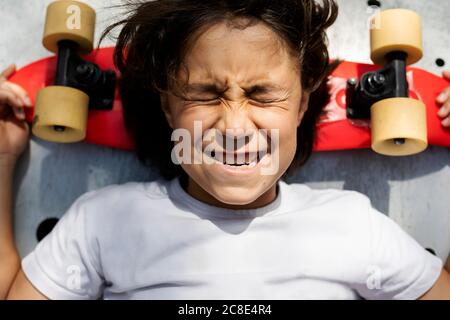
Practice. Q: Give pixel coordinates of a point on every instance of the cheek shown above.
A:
(284, 123)
(288, 141)
(185, 116)
(287, 128)
(196, 123)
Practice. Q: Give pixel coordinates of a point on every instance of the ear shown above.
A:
(166, 109)
(303, 106)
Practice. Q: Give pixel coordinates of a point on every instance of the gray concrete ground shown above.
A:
(414, 190)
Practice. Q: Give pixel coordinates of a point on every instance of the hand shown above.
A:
(14, 131)
(444, 100)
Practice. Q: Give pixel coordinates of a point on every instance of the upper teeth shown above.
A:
(253, 158)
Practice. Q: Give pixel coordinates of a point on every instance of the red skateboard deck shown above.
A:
(103, 127)
(335, 131)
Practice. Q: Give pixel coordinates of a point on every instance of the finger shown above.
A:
(446, 122)
(18, 91)
(9, 100)
(446, 74)
(441, 98)
(444, 111)
(8, 71)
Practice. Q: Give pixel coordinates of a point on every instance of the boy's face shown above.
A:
(240, 81)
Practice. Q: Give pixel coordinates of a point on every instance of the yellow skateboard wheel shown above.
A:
(399, 127)
(396, 30)
(69, 20)
(60, 114)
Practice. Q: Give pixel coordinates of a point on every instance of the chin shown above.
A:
(237, 195)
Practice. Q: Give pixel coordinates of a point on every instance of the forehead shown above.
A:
(224, 51)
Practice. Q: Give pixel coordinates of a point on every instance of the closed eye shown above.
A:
(215, 100)
(202, 100)
(266, 101)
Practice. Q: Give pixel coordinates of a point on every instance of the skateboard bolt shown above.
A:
(352, 82)
(84, 71)
(399, 141)
(377, 80)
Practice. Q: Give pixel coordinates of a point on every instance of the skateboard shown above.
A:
(74, 92)
(388, 106)
(337, 130)
(103, 126)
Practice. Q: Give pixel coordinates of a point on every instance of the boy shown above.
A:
(218, 226)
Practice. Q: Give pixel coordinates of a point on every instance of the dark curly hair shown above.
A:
(152, 43)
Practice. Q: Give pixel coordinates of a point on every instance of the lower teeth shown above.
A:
(241, 165)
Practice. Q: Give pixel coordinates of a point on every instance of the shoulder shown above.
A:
(155, 190)
(121, 198)
(345, 201)
(343, 213)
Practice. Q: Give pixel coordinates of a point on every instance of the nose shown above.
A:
(236, 127)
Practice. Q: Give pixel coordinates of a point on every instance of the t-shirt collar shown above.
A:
(179, 195)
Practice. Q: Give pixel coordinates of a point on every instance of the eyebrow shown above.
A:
(264, 87)
(204, 88)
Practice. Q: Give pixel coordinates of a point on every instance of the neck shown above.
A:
(197, 192)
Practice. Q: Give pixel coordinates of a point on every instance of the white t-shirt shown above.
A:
(155, 241)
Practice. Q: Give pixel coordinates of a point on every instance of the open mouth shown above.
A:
(244, 159)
